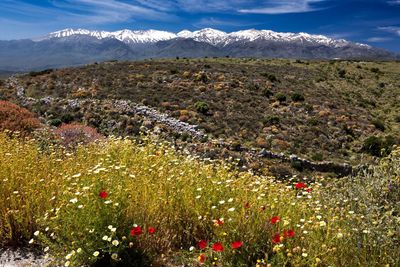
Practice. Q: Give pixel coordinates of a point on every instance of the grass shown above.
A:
(89, 205)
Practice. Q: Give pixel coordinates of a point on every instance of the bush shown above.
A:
(297, 165)
(201, 77)
(280, 97)
(201, 107)
(378, 146)
(313, 121)
(317, 157)
(271, 120)
(17, 119)
(267, 92)
(342, 73)
(373, 146)
(297, 97)
(67, 118)
(380, 125)
(55, 122)
(375, 70)
(253, 86)
(42, 72)
(270, 77)
(73, 134)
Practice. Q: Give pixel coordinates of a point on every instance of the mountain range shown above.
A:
(72, 47)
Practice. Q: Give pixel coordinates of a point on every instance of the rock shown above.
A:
(21, 257)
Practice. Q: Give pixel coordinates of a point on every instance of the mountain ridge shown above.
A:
(207, 35)
(71, 47)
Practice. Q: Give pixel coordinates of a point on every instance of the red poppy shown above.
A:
(219, 222)
(276, 239)
(300, 185)
(288, 233)
(218, 247)
(151, 230)
(202, 258)
(309, 190)
(237, 244)
(137, 230)
(275, 219)
(202, 244)
(103, 194)
(247, 205)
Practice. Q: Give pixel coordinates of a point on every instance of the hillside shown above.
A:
(319, 110)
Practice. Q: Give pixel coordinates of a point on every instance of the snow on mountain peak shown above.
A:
(127, 36)
(206, 35)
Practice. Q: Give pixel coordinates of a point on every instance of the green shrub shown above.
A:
(55, 122)
(67, 118)
(201, 107)
(297, 97)
(297, 165)
(342, 73)
(373, 146)
(317, 157)
(270, 77)
(375, 70)
(267, 92)
(378, 146)
(38, 73)
(201, 77)
(271, 120)
(379, 124)
(253, 86)
(280, 97)
(313, 121)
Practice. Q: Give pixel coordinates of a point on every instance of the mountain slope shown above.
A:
(25, 55)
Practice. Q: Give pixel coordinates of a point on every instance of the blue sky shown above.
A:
(375, 22)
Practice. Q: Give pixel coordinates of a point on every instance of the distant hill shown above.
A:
(76, 47)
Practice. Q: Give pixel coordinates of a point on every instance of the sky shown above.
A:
(374, 22)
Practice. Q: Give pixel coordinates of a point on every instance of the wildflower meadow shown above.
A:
(119, 202)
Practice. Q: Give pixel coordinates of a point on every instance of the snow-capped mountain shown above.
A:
(207, 35)
(71, 47)
(126, 36)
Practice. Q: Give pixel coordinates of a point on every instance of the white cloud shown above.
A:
(391, 29)
(283, 7)
(233, 6)
(83, 12)
(211, 22)
(103, 11)
(394, 2)
(378, 39)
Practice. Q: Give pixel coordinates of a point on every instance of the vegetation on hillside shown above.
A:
(329, 108)
(17, 119)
